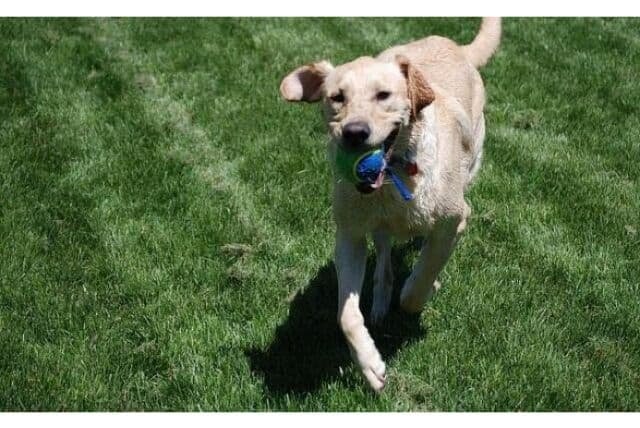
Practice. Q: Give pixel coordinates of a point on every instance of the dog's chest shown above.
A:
(385, 209)
(400, 218)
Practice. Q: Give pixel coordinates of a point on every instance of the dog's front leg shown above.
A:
(350, 259)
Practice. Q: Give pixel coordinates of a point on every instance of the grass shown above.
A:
(167, 234)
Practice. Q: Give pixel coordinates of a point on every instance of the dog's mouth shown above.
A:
(387, 146)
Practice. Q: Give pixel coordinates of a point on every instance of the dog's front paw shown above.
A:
(375, 373)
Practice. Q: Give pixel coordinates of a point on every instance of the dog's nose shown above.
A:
(356, 133)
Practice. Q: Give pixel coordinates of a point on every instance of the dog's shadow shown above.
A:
(309, 349)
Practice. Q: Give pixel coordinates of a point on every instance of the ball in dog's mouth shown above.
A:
(366, 167)
(387, 147)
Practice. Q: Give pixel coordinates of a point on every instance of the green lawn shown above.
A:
(166, 232)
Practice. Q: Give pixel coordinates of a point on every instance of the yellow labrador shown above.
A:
(422, 103)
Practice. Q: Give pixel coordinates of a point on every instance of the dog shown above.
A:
(422, 103)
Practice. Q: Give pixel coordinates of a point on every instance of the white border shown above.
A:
(319, 8)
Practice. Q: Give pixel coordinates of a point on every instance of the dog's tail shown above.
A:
(485, 44)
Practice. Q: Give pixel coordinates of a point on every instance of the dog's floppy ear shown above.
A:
(419, 92)
(305, 83)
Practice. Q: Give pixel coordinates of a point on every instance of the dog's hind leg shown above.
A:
(382, 278)
(351, 257)
(422, 283)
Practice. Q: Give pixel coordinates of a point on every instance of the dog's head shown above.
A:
(366, 101)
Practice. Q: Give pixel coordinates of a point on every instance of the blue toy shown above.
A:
(359, 167)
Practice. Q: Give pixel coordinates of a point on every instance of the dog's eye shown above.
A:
(337, 98)
(383, 95)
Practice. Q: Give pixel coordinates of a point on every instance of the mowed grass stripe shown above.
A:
(196, 362)
(205, 149)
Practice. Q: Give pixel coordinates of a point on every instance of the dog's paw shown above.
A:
(375, 373)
